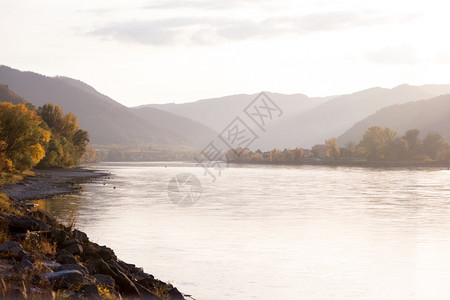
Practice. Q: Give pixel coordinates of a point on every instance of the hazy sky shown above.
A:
(182, 50)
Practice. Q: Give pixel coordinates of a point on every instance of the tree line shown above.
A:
(42, 137)
(377, 144)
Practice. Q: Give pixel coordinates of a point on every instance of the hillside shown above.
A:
(335, 116)
(6, 95)
(108, 122)
(217, 113)
(196, 132)
(426, 115)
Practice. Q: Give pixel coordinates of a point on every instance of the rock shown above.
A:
(146, 293)
(91, 292)
(103, 252)
(77, 267)
(12, 249)
(106, 280)
(126, 286)
(63, 279)
(106, 253)
(45, 217)
(65, 258)
(17, 294)
(74, 249)
(58, 236)
(24, 224)
(149, 283)
(174, 294)
(26, 263)
(80, 236)
(69, 242)
(86, 255)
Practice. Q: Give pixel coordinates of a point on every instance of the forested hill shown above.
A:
(6, 95)
(108, 122)
(425, 115)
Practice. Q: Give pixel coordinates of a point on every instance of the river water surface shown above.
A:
(276, 232)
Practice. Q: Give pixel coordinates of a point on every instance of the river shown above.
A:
(276, 232)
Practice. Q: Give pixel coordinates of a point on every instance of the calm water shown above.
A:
(270, 232)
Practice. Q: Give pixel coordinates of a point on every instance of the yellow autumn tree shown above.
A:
(21, 135)
(333, 148)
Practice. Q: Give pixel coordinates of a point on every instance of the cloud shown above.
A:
(201, 4)
(209, 30)
(398, 55)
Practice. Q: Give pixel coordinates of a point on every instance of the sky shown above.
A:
(140, 52)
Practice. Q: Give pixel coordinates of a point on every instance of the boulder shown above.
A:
(58, 236)
(69, 242)
(65, 257)
(126, 286)
(146, 294)
(24, 224)
(45, 217)
(80, 236)
(91, 292)
(74, 249)
(63, 279)
(77, 267)
(26, 263)
(12, 249)
(174, 294)
(105, 280)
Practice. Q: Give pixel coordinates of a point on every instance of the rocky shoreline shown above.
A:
(40, 258)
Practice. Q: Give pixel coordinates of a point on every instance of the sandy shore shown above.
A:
(50, 183)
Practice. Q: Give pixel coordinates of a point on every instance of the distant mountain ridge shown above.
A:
(6, 95)
(425, 115)
(304, 123)
(217, 113)
(108, 122)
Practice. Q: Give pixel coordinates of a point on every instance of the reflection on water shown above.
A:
(272, 232)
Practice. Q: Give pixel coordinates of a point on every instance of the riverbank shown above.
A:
(354, 163)
(40, 258)
(52, 182)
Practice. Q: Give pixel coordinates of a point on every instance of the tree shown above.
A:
(414, 142)
(432, 144)
(373, 143)
(378, 142)
(298, 154)
(68, 142)
(333, 148)
(275, 155)
(21, 135)
(389, 149)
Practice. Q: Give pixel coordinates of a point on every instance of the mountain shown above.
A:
(217, 113)
(426, 115)
(108, 122)
(6, 95)
(336, 116)
(198, 133)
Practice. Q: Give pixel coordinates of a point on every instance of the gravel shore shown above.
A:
(51, 183)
